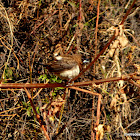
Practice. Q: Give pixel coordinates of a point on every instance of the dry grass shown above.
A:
(30, 31)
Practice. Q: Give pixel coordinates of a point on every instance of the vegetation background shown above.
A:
(30, 30)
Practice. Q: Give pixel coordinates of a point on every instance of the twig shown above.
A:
(98, 106)
(124, 18)
(96, 29)
(37, 116)
(53, 85)
(134, 83)
(105, 47)
(98, 114)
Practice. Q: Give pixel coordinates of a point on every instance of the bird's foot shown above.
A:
(70, 84)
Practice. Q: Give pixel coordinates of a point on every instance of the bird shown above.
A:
(65, 66)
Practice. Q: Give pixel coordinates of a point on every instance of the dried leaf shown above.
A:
(123, 41)
(114, 102)
(113, 48)
(100, 131)
(56, 105)
(137, 67)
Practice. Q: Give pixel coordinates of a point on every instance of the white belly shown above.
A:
(70, 74)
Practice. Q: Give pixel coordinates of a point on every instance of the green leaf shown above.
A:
(37, 109)
(43, 77)
(58, 88)
(53, 94)
(40, 3)
(72, 4)
(28, 113)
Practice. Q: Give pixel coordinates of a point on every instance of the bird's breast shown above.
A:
(70, 74)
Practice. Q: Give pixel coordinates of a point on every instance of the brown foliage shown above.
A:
(31, 30)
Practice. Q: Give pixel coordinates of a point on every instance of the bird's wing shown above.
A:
(61, 65)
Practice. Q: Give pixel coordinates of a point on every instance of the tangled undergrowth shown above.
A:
(31, 30)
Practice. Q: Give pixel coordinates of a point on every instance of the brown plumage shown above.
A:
(66, 66)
